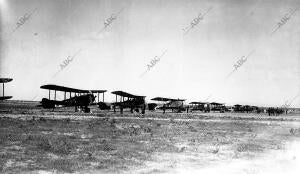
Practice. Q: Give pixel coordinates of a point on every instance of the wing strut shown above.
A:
(3, 89)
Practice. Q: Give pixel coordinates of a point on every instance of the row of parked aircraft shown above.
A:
(81, 99)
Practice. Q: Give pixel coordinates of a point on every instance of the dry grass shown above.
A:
(114, 145)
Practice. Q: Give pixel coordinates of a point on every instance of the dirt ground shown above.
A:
(35, 140)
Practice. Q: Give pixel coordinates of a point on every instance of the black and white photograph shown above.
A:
(150, 86)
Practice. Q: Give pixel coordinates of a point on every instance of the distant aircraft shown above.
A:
(82, 98)
(169, 103)
(238, 108)
(217, 107)
(134, 102)
(247, 108)
(5, 80)
(200, 106)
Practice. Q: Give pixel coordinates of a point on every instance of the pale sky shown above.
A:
(194, 66)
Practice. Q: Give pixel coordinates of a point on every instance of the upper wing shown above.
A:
(166, 99)
(214, 103)
(67, 89)
(199, 103)
(125, 94)
(178, 99)
(161, 99)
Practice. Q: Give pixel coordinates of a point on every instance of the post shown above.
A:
(65, 96)
(49, 94)
(98, 96)
(70, 95)
(55, 95)
(3, 89)
(116, 98)
(103, 96)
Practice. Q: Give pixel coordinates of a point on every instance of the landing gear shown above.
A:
(86, 109)
(143, 109)
(121, 109)
(131, 109)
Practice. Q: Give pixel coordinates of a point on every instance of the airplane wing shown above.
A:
(161, 99)
(198, 103)
(67, 89)
(125, 94)
(178, 99)
(5, 80)
(5, 97)
(214, 103)
(166, 99)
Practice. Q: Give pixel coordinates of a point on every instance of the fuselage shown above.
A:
(83, 100)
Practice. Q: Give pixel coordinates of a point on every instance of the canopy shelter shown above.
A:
(3, 81)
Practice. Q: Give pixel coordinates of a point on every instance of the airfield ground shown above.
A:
(35, 140)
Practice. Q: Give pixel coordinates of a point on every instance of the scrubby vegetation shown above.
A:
(107, 144)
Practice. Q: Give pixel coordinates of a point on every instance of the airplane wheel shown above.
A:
(131, 109)
(87, 110)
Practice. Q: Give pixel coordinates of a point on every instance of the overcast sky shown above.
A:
(193, 66)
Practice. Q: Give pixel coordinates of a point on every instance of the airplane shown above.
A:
(217, 107)
(134, 102)
(169, 103)
(200, 106)
(238, 108)
(246, 108)
(82, 98)
(5, 80)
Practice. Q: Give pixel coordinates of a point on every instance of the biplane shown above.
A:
(3, 81)
(246, 108)
(199, 106)
(126, 100)
(238, 108)
(217, 107)
(169, 103)
(81, 99)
